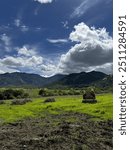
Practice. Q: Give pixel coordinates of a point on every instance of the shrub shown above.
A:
(26, 95)
(8, 94)
(1, 95)
(2, 102)
(18, 93)
(43, 92)
(11, 94)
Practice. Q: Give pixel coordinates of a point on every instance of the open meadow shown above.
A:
(101, 110)
(66, 124)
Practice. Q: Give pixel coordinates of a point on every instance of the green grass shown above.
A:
(101, 110)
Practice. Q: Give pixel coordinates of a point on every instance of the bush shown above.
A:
(11, 94)
(43, 92)
(18, 93)
(1, 95)
(2, 102)
(8, 94)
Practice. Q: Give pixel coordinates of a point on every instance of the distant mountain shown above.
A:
(21, 79)
(81, 79)
(17, 79)
(106, 82)
(33, 80)
(55, 78)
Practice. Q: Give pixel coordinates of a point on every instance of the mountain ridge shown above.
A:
(21, 79)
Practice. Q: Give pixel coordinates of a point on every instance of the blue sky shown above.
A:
(55, 36)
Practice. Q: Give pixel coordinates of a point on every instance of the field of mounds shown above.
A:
(64, 124)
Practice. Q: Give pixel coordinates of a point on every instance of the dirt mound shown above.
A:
(49, 100)
(89, 101)
(20, 101)
(71, 131)
(89, 97)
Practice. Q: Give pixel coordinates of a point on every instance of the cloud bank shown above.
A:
(26, 60)
(92, 50)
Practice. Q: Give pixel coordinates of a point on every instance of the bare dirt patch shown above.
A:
(70, 131)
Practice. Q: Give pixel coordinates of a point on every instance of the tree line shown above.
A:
(11, 94)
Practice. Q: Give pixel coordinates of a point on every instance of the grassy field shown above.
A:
(101, 110)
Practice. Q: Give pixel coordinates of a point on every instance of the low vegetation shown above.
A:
(100, 110)
(70, 91)
(66, 123)
(2, 102)
(19, 93)
(12, 93)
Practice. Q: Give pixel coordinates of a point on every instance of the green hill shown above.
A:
(72, 80)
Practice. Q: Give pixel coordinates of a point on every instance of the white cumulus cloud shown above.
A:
(26, 51)
(24, 58)
(27, 60)
(12, 61)
(93, 50)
